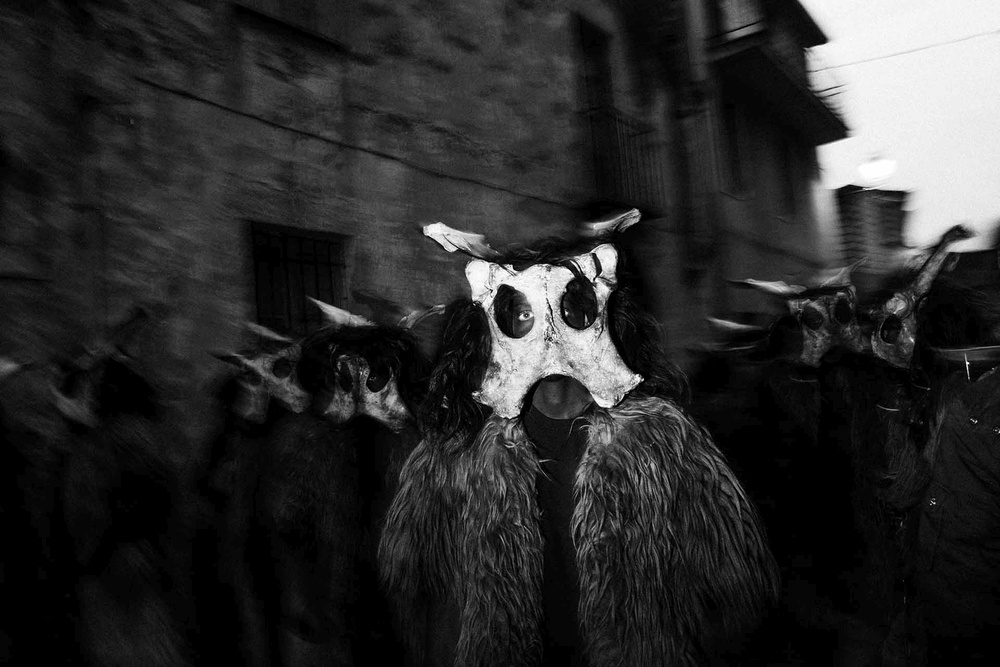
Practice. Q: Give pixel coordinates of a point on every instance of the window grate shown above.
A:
(291, 265)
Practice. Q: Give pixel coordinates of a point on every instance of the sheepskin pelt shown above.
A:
(670, 551)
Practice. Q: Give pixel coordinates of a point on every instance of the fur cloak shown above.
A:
(671, 553)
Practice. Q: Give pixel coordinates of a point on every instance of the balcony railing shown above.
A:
(628, 162)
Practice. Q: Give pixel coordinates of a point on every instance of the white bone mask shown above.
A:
(266, 376)
(828, 321)
(896, 320)
(360, 390)
(567, 332)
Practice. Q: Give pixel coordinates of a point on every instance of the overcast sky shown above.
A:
(935, 111)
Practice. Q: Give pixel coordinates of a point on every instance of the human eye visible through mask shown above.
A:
(512, 312)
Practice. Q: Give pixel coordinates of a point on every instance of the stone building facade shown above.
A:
(759, 118)
(229, 158)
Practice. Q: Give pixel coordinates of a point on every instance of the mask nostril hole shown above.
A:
(812, 317)
(843, 311)
(345, 378)
(378, 377)
(891, 327)
(282, 368)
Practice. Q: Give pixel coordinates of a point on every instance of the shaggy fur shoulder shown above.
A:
(464, 528)
(671, 552)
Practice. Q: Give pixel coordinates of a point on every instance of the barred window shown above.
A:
(290, 265)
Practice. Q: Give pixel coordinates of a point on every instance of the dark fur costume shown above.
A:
(953, 611)
(670, 552)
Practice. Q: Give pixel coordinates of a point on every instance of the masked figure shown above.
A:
(895, 320)
(824, 317)
(310, 498)
(561, 507)
(954, 582)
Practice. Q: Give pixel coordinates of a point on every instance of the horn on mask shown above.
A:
(776, 288)
(338, 317)
(265, 333)
(452, 240)
(895, 329)
(418, 316)
(932, 267)
(611, 226)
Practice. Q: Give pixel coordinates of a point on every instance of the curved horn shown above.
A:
(728, 326)
(229, 357)
(338, 317)
(474, 245)
(265, 333)
(843, 276)
(773, 287)
(417, 316)
(383, 309)
(614, 225)
(929, 271)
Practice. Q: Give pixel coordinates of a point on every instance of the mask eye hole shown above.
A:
(378, 377)
(252, 379)
(282, 368)
(843, 311)
(512, 312)
(579, 304)
(345, 379)
(890, 329)
(813, 317)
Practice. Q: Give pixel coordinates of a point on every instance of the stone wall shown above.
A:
(141, 139)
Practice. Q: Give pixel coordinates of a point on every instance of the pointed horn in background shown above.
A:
(843, 276)
(614, 225)
(773, 287)
(932, 267)
(338, 317)
(417, 316)
(728, 326)
(265, 333)
(474, 245)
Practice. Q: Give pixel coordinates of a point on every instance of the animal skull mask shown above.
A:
(826, 315)
(266, 376)
(550, 320)
(896, 320)
(359, 388)
(828, 321)
(358, 385)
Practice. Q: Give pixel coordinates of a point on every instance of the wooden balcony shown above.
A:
(760, 46)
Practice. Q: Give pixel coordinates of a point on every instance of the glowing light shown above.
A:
(877, 169)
